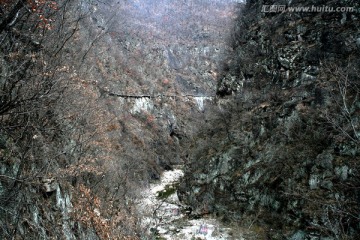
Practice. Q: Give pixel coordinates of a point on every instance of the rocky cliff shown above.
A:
(280, 151)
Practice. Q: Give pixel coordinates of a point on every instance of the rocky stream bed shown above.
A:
(167, 218)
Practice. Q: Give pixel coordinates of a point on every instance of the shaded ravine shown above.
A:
(159, 69)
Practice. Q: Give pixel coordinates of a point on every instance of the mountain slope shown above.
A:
(281, 153)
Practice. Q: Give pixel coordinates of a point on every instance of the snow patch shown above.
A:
(200, 102)
(142, 104)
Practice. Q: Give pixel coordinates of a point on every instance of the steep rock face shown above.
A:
(282, 152)
(163, 47)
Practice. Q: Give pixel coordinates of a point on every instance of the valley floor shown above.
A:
(167, 218)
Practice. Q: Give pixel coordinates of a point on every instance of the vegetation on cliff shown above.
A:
(59, 168)
(98, 97)
(281, 155)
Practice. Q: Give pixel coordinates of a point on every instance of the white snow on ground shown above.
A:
(142, 104)
(208, 229)
(200, 102)
(165, 217)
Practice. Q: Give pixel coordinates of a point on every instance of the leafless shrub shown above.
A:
(344, 112)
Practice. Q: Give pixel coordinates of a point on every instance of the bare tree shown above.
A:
(343, 114)
(41, 134)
